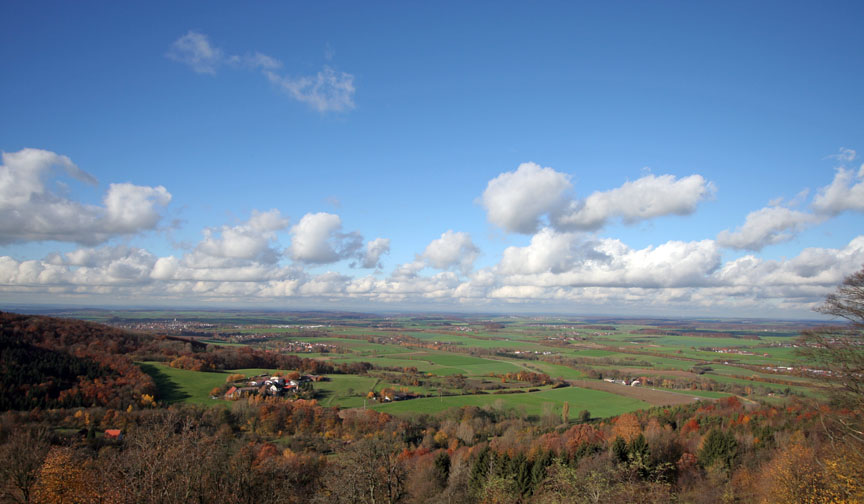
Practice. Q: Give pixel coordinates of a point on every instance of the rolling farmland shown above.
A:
(441, 363)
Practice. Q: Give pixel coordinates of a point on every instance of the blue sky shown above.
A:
(664, 158)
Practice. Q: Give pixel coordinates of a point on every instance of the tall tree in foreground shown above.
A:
(839, 353)
(22, 457)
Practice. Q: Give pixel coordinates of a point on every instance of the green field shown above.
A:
(440, 363)
(481, 347)
(346, 391)
(193, 387)
(181, 385)
(600, 404)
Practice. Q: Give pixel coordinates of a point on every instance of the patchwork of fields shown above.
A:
(446, 363)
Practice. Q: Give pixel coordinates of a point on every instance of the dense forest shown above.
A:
(48, 363)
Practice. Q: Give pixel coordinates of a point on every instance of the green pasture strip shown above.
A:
(468, 365)
(445, 371)
(759, 360)
(451, 359)
(363, 331)
(470, 342)
(600, 404)
(666, 362)
(588, 352)
(637, 360)
(776, 387)
(690, 353)
(755, 360)
(499, 367)
(736, 371)
(688, 341)
(389, 361)
(555, 370)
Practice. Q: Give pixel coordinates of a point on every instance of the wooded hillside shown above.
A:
(48, 362)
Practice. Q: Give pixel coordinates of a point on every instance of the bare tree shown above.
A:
(22, 456)
(370, 471)
(848, 301)
(838, 352)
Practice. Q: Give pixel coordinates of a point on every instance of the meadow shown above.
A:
(532, 404)
(464, 361)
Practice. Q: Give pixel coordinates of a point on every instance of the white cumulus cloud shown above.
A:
(251, 240)
(130, 207)
(373, 251)
(452, 249)
(645, 198)
(815, 267)
(318, 239)
(846, 192)
(549, 251)
(30, 211)
(518, 201)
(82, 268)
(766, 226)
(571, 259)
(515, 201)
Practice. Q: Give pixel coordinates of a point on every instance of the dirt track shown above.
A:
(647, 394)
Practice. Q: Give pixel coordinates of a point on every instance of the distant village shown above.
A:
(165, 326)
(732, 350)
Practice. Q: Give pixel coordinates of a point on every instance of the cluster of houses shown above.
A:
(733, 350)
(389, 395)
(165, 326)
(306, 347)
(787, 369)
(277, 386)
(631, 382)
